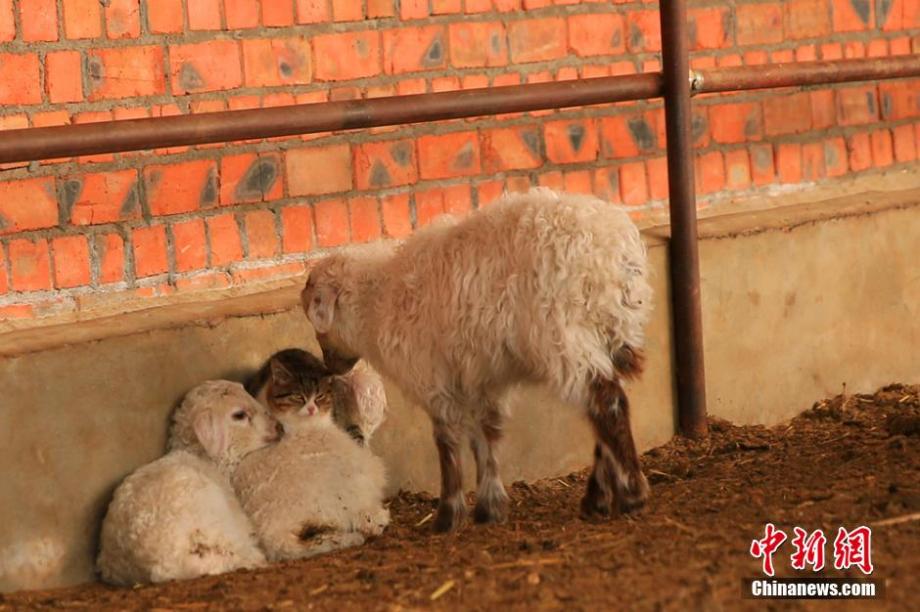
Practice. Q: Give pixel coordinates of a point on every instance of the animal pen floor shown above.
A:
(848, 461)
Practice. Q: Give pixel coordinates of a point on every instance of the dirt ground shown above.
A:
(849, 461)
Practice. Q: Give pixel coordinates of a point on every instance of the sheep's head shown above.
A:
(322, 299)
(219, 420)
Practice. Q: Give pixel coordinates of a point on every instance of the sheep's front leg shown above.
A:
(616, 464)
(491, 498)
(452, 506)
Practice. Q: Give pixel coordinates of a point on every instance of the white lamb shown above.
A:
(537, 287)
(315, 491)
(177, 518)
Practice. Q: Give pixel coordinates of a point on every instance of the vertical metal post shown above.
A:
(683, 253)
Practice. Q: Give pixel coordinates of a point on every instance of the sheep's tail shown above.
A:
(628, 362)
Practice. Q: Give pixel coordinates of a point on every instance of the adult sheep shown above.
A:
(537, 287)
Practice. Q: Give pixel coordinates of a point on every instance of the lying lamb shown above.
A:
(537, 287)
(177, 517)
(315, 491)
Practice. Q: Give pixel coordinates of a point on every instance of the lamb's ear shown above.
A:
(321, 309)
(211, 431)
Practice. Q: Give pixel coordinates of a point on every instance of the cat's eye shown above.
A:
(297, 398)
(239, 415)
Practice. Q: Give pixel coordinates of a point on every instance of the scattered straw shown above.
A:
(425, 519)
(442, 589)
(897, 520)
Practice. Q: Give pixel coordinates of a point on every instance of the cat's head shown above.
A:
(298, 389)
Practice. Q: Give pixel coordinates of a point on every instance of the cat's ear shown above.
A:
(320, 306)
(211, 431)
(280, 374)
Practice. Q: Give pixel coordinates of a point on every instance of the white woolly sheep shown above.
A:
(537, 287)
(177, 518)
(315, 491)
(362, 399)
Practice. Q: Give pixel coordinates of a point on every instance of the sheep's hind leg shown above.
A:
(451, 506)
(616, 460)
(491, 498)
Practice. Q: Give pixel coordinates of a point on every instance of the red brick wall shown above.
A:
(184, 219)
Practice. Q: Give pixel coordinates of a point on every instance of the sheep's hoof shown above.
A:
(595, 506)
(490, 511)
(628, 501)
(448, 517)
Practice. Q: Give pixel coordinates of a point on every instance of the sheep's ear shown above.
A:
(211, 431)
(321, 309)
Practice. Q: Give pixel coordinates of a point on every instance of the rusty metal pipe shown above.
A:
(739, 78)
(682, 251)
(135, 134)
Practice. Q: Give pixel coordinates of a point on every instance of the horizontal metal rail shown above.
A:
(135, 134)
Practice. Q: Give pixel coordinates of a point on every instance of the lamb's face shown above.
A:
(228, 422)
(322, 298)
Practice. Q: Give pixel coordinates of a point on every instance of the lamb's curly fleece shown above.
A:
(177, 517)
(315, 491)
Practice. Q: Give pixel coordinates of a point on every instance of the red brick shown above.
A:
(762, 168)
(519, 184)
(429, 205)
(4, 280)
(7, 21)
(297, 226)
(224, 240)
(71, 261)
(276, 62)
(475, 44)
(312, 11)
(900, 99)
(708, 28)
(807, 18)
(458, 199)
(208, 66)
(446, 7)
(578, 181)
(759, 24)
(347, 10)
(621, 135)
(332, 226)
(125, 72)
(242, 14)
(488, 191)
(607, 184)
(511, 149)
(789, 162)
(346, 55)
(27, 204)
(261, 234)
(448, 83)
(737, 169)
(448, 155)
(905, 148)
(854, 49)
(644, 31)
(150, 251)
(39, 20)
(813, 161)
(413, 9)
(19, 79)
(181, 187)
(397, 222)
(190, 245)
(732, 123)
(877, 48)
(82, 18)
(846, 17)
(318, 170)
(103, 197)
(823, 109)
(250, 177)
(882, 152)
(279, 13)
(787, 114)
(857, 105)
(203, 14)
(537, 40)
(556, 180)
(364, 215)
(900, 46)
(385, 164)
(806, 53)
(570, 141)
(657, 170)
(507, 6)
(165, 16)
(710, 172)
(593, 34)
(123, 19)
(30, 265)
(478, 6)
(633, 189)
(835, 157)
(63, 81)
(414, 49)
(860, 152)
(110, 253)
(380, 8)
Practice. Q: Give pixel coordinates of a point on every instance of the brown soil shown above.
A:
(848, 461)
